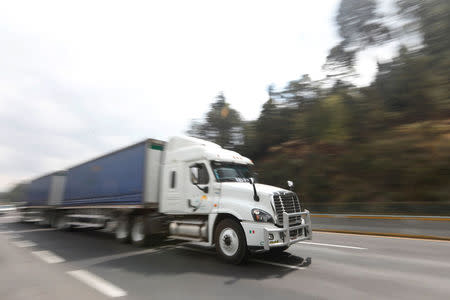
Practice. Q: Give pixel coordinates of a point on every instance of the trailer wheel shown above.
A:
(60, 222)
(122, 231)
(138, 233)
(231, 244)
(45, 221)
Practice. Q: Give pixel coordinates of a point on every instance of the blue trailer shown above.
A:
(117, 178)
(43, 192)
(99, 190)
(46, 190)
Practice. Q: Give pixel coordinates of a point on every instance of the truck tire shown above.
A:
(230, 241)
(122, 231)
(138, 233)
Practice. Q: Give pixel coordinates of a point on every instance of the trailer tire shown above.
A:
(60, 222)
(45, 221)
(230, 241)
(138, 233)
(122, 231)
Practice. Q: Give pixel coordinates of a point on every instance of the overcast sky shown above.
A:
(81, 78)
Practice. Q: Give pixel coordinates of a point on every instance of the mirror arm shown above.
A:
(203, 189)
(255, 194)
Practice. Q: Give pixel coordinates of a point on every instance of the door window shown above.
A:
(199, 174)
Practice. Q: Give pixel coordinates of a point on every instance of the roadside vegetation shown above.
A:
(381, 148)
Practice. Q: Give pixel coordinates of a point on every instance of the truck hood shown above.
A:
(247, 188)
(237, 198)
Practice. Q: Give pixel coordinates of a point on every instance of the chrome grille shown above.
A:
(286, 202)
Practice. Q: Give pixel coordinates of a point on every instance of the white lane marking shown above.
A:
(24, 244)
(253, 260)
(34, 230)
(48, 257)
(333, 245)
(103, 259)
(98, 283)
(277, 264)
(6, 232)
(14, 236)
(192, 249)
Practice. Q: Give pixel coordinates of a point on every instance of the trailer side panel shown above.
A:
(37, 193)
(113, 179)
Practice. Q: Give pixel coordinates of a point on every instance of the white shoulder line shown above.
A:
(98, 283)
(48, 257)
(333, 245)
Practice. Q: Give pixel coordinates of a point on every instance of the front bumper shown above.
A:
(286, 230)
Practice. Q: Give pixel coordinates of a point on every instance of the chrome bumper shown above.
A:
(287, 241)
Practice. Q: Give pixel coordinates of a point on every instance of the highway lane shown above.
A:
(332, 266)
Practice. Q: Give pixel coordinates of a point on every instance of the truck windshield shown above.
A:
(229, 172)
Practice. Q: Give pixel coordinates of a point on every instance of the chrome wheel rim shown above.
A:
(229, 241)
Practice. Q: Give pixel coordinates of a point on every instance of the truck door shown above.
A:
(198, 189)
(172, 200)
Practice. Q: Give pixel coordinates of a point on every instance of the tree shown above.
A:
(360, 26)
(222, 125)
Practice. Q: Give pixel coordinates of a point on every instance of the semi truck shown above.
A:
(186, 188)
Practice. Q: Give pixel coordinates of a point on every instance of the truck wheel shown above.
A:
(122, 231)
(231, 244)
(138, 233)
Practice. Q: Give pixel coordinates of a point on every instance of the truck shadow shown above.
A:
(99, 251)
(188, 259)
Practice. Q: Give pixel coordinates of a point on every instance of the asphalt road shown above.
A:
(42, 263)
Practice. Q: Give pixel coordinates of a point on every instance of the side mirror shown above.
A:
(194, 174)
(251, 180)
(290, 185)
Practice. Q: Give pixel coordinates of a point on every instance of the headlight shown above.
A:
(260, 215)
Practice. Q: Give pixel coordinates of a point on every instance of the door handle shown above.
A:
(193, 206)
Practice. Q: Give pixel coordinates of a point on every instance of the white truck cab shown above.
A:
(211, 195)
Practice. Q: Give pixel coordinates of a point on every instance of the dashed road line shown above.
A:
(48, 257)
(34, 230)
(14, 236)
(333, 245)
(98, 283)
(24, 244)
(103, 259)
